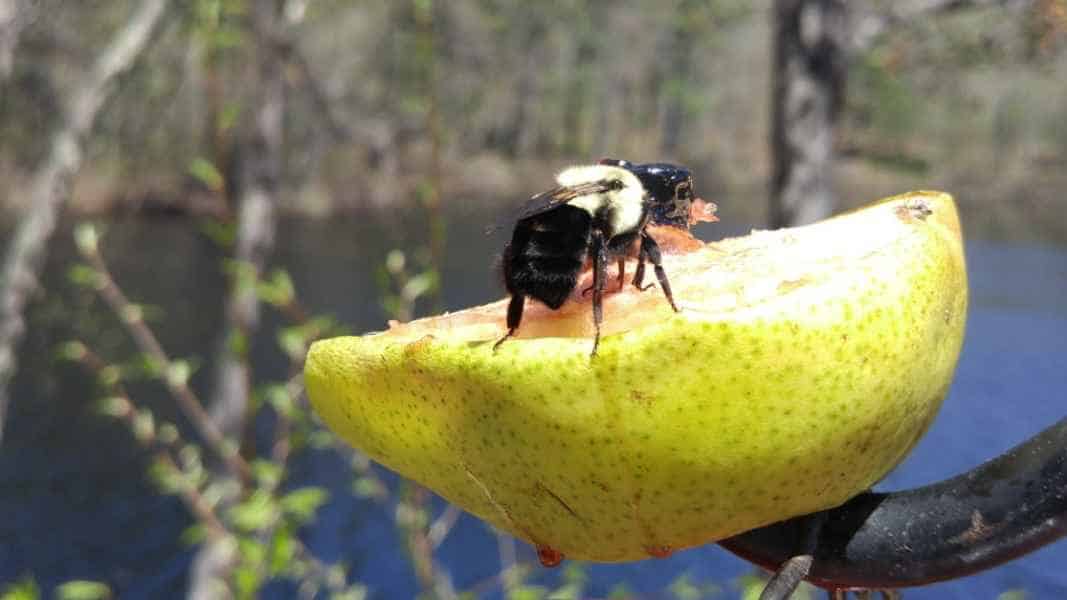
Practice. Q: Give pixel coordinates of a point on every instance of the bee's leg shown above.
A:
(639, 276)
(600, 268)
(622, 273)
(651, 248)
(518, 301)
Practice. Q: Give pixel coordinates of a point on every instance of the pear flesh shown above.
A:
(804, 365)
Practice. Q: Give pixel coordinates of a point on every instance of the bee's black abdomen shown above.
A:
(546, 254)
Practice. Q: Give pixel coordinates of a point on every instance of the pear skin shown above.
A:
(804, 364)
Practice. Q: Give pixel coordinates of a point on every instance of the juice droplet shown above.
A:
(659, 551)
(549, 557)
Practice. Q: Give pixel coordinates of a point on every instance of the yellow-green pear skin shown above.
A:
(804, 364)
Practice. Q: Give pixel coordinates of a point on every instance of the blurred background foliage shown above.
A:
(521, 89)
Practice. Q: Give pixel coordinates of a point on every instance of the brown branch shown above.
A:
(147, 342)
(161, 449)
(48, 191)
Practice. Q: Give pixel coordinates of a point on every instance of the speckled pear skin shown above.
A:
(804, 365)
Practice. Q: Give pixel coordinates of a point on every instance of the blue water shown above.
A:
(77, 504)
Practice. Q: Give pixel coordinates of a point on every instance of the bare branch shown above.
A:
(48, 191)
(146, 340)
(161, 449)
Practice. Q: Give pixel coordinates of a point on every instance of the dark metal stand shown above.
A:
(998, 511)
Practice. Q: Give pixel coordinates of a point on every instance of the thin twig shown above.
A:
(146, 340)
(161, 448)
(443, 525)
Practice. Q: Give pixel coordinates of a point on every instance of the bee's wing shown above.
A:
(556, 197)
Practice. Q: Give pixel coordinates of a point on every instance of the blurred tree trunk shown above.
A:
(259, 172)
(48, 189)
(14, 14)
(813, 42)
(809, 85)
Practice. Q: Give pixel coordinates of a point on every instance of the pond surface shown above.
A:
(78, 504)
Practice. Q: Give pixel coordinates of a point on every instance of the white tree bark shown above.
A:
(14, 16)
(809, 79)
(48, 190)
(813, 43)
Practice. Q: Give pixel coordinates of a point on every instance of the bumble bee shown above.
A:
(596, 213)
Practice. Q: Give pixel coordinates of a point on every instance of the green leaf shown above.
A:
(278, 290)
(204, 171)
(420, 285)
(168, 479)
(683, 589)
(72, 351)
(395, 262)
(301, 504)
(223, 233)
(620, 591)
(569, 591)
(114, 406)
(109, 375)
(367, 487)
(321, 439)
(527, 592)
(144, 426)
(84, 276)
(229, 115)
(243, 275)
(168, 433)
(277, 395)
(86, 239)
(237, 343)
(1014, 594)
(574, 572)
(751, 586)
(145, 365)
(247, 581)
(282, 552)
(254, 514)
(292, 341)
(353, 592)
(24, 589)
(266, 473)
(132, 313)
(83, 590)
(179, 372)
(193, 535)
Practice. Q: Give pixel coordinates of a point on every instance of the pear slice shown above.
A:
(805, 363)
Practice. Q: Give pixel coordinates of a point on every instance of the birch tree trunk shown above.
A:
(813, 42)
(810, 60)
(49, 185)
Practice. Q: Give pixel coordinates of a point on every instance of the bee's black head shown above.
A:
(669, 188)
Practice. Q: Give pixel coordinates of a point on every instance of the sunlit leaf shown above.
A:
(204, 171)
(83, 590)
(25, 589)
(86, 238)
(255, 513)
(301, 504)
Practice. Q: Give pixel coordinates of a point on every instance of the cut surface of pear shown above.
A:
(803, 365)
